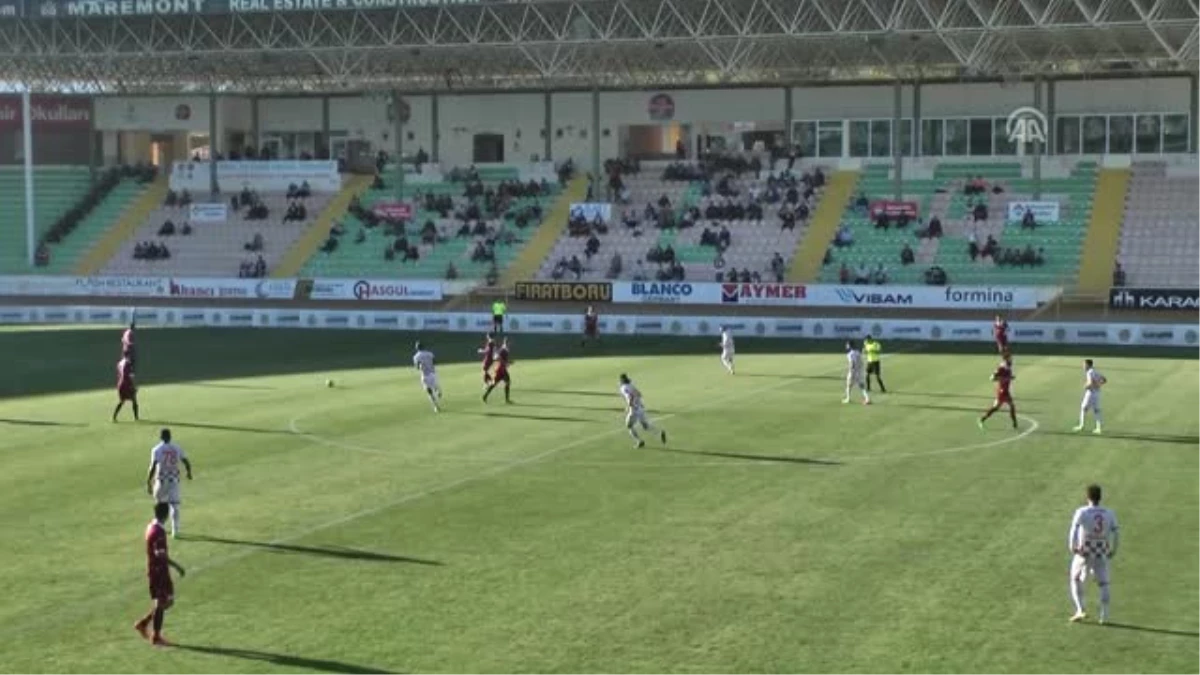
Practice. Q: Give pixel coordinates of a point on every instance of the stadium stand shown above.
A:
(470, 225)
(167, 244)
(690, 221)
(1160, 238)
(56, 191)
(975, 245)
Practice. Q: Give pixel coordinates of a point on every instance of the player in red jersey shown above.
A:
(591, 326)
(1003, 378)
(158, 572)
(126, 388)
(488, 350)
(502, 363)
(1000, 331)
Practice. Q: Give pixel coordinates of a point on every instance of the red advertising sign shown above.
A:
(893, 209)
(393, 210)
(762, 294)
(49, 113)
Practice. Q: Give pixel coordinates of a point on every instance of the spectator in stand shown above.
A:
(41, 257)
(861, 204)
(778, 267)
(614, 266)
(989, 248)
(862, 274)
(972, 246)
(724, 239)
(592, 248)
(980, 212)
(1028, 221)
(1118, 279)
(167, 229)
(907, 256)
(879, 275)
(934, 231)
(186, 230)
(844, 274)
(255, 244)
(844, 236)
(451, 272)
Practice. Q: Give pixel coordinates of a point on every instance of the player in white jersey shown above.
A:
(727, 349)
(1092, 540)
(635, 412)
(1092, 381)
(854, 373)
(423, 362)
(162, 479)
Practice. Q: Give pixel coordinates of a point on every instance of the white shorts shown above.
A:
(726, 354)
(430, 381)
(1091, 400)
(1093, 565)
(855, 377)
(166, 491)
(636, 416)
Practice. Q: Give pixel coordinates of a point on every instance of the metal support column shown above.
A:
(596, 184)
(27, 129)
(434, 134)
(324, 151)
(789, 115)
(1194, 108)
(214, 147)
(1051, 117)
(916, 120)
(255, 141)
(1038, 148)
(548, 125)
(398, 132)
(897, 158)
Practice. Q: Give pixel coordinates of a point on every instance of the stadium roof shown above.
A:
(296, 46)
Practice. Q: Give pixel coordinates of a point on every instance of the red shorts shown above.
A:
(161, 587)
(1003, 397)
(590, 330)
(502, 375)
(1002, 343)
(127, 392)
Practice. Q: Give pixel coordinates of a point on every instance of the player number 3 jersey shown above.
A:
(1093, 532)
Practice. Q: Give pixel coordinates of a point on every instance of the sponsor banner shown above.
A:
(665, 292)
(47, 9)
(269, 176)
(564, 291)
(217, 212)
(1043, 212)
(393, 210)
(798, 295)
(589, 210)
(763, 294)
(1166, 335)
(367, 289)
(893, 209)
(11, 9)
(263, 289)
(48, 112)
(1154, 298)
(133, 287)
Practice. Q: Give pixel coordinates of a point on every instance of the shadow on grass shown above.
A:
(938, 394)
(755, 458)
(286, 660)
(40, 423)
(1145, 437)
(978, 410)
(1147, 629)
(321, 551)
(524, 416)
(216, 427)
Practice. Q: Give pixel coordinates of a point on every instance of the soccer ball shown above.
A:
(329, 383)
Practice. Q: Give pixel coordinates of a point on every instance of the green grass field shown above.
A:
(352, 530)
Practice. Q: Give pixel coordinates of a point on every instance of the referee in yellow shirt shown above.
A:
(872, 349)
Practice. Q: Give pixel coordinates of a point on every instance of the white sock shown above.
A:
(1082, 416)
(174, 519)
(1096, 417)
(633, 432)
(1077, 594)
(1104, 602)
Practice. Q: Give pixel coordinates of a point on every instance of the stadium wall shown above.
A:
(1161, 335)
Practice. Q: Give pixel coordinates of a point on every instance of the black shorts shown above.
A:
(873, 367)
(497, 319)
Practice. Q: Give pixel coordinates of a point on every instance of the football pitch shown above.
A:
(353, 530)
